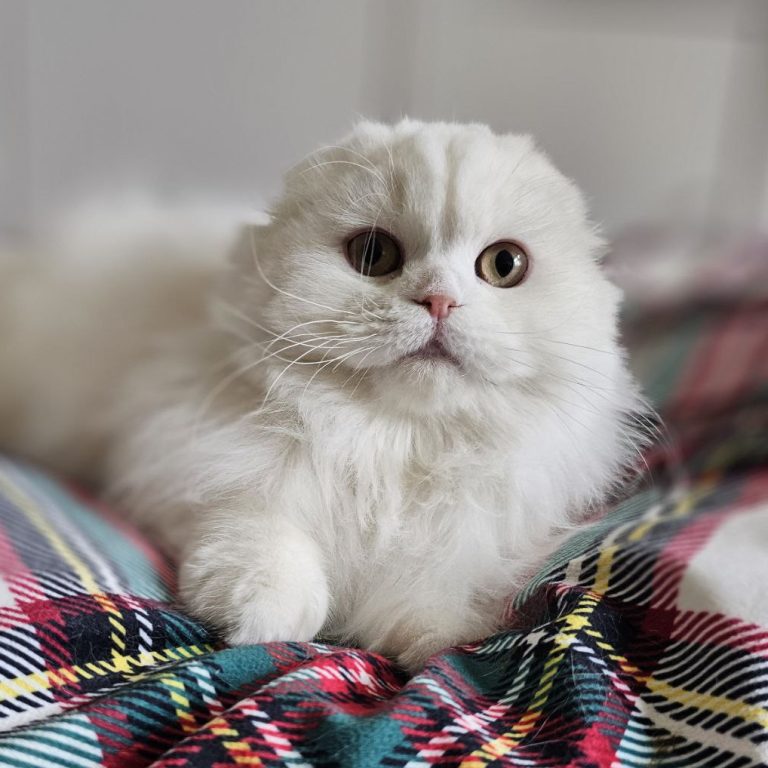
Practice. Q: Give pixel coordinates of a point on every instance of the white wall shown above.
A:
(186, 95)
(658, 108)
(14, 201)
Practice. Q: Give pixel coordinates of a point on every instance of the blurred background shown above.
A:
(659, 109)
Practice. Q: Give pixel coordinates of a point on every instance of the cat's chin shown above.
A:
(424, 384)
(433, 353)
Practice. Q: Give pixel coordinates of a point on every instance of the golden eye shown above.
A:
(502, 264)
(374, 253)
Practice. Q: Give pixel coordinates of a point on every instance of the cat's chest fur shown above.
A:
(383, 493)
(412, 509)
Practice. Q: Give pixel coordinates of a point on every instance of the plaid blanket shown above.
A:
(644, 641)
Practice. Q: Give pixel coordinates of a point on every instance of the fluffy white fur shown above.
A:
(260, 419)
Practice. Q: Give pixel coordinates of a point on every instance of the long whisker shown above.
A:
(360, 370)
(318, 165)
(242, 370)
(351, 151)
(312, 378)
(237, 313)
(287, 336)
(360, 279)
(297, 361)
(550, 374)
(353, 352)
(548, 340)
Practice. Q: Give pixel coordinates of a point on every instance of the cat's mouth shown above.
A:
(433, 351)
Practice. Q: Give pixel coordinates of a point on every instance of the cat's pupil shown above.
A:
(372, 252)
(505, 262)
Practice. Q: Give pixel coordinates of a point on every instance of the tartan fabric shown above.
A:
(644, 641)
(610, 660)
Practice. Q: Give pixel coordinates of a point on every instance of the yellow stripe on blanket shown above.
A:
(40, 681)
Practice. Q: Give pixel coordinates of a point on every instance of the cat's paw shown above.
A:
(288, 608)
(257, 596)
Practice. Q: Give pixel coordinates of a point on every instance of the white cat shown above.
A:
(372, 423)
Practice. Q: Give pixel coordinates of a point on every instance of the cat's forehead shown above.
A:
(456, 180)
(436, 180)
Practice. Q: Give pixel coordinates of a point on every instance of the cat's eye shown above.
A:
(374, 253)
(502, 264)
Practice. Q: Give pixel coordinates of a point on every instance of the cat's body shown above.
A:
(380, 458)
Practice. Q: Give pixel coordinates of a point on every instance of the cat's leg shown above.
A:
(255, 579)
(412, 624)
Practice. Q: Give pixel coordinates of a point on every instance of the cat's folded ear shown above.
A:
(246, 248)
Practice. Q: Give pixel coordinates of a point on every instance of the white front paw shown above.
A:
(284, 609)
(257, 596)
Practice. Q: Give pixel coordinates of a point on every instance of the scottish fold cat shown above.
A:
(373, 419)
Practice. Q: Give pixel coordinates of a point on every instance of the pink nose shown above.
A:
(438, 304)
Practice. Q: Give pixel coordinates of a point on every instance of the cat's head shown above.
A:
(429, 264)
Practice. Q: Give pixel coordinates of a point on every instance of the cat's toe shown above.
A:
(266, 614)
